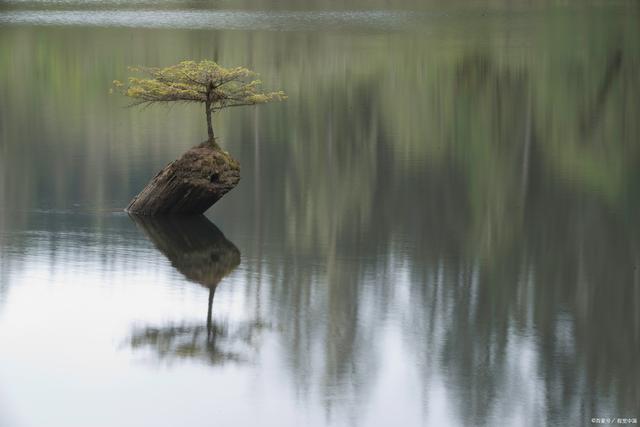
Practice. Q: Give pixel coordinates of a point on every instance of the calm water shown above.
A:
(439, 227)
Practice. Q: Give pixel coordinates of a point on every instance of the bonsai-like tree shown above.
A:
(205, 82)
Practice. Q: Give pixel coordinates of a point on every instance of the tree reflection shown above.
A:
(197, 249)
(521, 261)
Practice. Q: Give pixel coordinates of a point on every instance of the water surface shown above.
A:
(439, 227)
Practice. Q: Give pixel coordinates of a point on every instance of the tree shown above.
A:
(204, 82)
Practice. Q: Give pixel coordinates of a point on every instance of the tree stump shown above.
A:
(189, 185)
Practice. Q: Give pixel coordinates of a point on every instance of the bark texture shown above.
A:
(189, 185)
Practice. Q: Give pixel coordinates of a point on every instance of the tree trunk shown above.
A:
(209, 124)
(189, 185)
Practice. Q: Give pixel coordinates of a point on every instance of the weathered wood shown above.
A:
(189, 185)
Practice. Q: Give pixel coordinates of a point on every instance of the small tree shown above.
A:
(205, 82)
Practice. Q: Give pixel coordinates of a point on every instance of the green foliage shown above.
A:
(203, 81)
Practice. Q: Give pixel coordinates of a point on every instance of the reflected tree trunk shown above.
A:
(210, 332)
(593, 115)
(528, 135)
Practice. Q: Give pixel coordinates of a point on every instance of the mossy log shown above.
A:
(189, 185)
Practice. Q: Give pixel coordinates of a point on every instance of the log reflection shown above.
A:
(201, 253)
(195, 247)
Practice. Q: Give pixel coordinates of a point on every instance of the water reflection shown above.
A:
(194, 245)
(199, 251)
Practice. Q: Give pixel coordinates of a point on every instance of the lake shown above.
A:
(438, 227)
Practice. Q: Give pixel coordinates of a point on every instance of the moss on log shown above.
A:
(189, 185)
